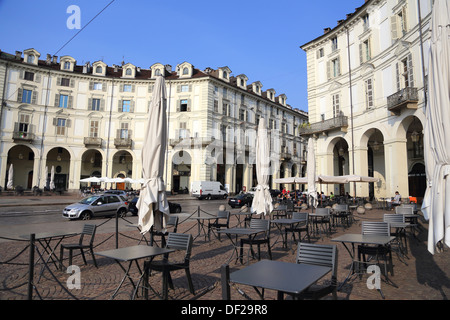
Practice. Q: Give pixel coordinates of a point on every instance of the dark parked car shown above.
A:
(240, 200)
(173, 207)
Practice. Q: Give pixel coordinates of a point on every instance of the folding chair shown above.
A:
(88, 231)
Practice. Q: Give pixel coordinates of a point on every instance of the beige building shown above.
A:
(366, 97)
(88, 120)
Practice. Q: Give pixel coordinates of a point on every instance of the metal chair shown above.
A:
(399, 233)
(379, 252)
(303, 225)
(88, 231)
(222, 221)
(264, 239)
(173, 222)
(319, 255)
(322, 220)
(341, 212)
(178, 241)
(404, 210)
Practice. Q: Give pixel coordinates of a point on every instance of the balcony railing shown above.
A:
(23, 136)
(338, 123)
(406, 98)
(91, 141)
(123, 143)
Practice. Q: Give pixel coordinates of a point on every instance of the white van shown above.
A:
(208, 190)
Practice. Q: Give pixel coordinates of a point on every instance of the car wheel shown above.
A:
(85, 215)
(122, 213)
(208, 197)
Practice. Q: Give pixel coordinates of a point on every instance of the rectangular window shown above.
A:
(26, 96)
(365, 51)
(98, 86)
(369, 93)
(65, 82)
(96, 104)
(63, 100)
(93, 129)
(335, 71)
(29, 76)
(334, 44)
(184, 105)
(124, 131)
(61, 127)
(185, 88)
(336, 105)
(24, 122)
(366, 22)
(127, 88)
(241, 114)
(320, 53)
(126, 105)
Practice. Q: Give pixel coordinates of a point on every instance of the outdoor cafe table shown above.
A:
(279, 223)
(133, 254)
(283, 277)
(251, 233)
(201, 224)
(357, 238)
(315, 219)
(45, 239)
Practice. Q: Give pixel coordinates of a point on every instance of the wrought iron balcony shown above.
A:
(123, 143)
(337, 123)
(406, 98)
(23, 136)
(93, 142)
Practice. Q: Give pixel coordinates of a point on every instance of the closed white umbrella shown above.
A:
(52, 178)
(262, 200)
(437, 132)
(10, 177)
(311, 174)
(152, 205)
(91, 179)
(46, 176)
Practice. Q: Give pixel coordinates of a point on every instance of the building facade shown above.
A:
(88, 120)
(366, 97)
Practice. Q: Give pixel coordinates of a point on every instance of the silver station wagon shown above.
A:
(95, 206)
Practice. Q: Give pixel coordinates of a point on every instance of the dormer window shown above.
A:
(128, 72)
(30, 59)
(99, 69)
(157, 72)
(185, 71)
(225, 75)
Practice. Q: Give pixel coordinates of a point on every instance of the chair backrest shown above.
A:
(319, 255)
(224, 215)
(173, 221)
(375, 228)
(180, 241)
(88, 230)
(323, 210)
(392, 218)
(404, 210)
(300, 216)
(260, 224)
(341, 208)
(290, 205)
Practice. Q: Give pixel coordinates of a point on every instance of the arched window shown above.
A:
(99, 69)
(157, 72)
(225, 75)
(67, 65)
(185, 71)
(30, 58)
(128, 72)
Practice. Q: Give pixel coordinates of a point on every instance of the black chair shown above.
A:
(300, 227)
(222, 221)
(342, 213)
(319, 255)
(178, 241)
(379, 252)
(88, 231)
(324, 221)
(255, 240)
(173, 222)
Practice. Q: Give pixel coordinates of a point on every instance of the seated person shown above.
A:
(396, 201)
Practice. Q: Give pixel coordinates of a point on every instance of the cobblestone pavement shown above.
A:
(421, 276)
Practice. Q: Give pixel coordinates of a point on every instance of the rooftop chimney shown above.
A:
(49, 59)
(326, 30)
(18, 54)
(55, 60)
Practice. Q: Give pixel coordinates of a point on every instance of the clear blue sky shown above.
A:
(260, 39)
